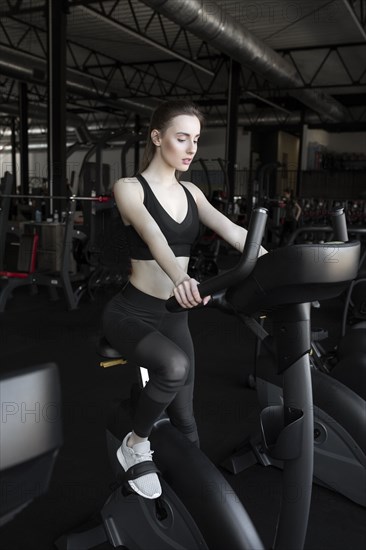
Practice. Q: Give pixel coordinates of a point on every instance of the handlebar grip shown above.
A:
(339, 225)
(174, 307)
(244, 267)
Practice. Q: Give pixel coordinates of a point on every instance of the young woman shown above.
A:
(162, 217)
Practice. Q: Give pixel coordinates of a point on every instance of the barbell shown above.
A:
(99, 198)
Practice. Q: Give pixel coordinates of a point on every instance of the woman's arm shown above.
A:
(232, 233)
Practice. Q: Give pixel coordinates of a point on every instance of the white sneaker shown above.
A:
(148, 485)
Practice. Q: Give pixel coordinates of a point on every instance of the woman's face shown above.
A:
(178, 143)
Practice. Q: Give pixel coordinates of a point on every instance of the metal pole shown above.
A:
(57, 20)
(137, 144)
(98, 184)
(232, 125)
(13, 153)
(302, 151)
(23, 138)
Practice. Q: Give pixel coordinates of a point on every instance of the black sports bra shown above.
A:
(180, 236)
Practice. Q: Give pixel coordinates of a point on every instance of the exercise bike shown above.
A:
(339, 396)
(198, 508)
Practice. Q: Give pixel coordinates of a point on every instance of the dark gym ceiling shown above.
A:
(300, 61)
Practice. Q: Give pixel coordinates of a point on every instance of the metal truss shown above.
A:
(201, 74)
(208, 70)
(197, 68)
(37, 94)
(200, 68)
(357, 10)
(324, 53)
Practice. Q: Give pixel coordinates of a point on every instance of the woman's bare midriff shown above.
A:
(148, 277)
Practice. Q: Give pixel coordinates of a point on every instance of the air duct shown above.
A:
(269, 117)
(210, 22)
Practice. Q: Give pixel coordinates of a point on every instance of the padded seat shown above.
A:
(27, 258)
(104, 349)
(25, 274)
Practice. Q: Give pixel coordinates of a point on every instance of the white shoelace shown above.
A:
(142, 457)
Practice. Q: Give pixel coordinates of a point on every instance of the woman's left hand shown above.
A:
(187, 293)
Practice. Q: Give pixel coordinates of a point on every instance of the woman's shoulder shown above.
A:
(127, 186)
(197, 193)
(191, 187)
(127, 183)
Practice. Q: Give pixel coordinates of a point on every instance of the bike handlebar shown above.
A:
(244, 267)
(339, 225)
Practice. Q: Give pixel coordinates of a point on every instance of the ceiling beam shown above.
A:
(355, 18)
(143, 38)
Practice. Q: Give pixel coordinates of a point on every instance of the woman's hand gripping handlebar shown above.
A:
(244, 267)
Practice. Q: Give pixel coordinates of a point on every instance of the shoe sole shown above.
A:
(123, 463)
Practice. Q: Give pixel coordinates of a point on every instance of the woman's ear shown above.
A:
(155, 137)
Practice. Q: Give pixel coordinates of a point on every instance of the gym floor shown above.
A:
(35, 329)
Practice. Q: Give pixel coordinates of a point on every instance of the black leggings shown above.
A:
(144, 332)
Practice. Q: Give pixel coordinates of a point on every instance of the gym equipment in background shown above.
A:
(30, 435)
